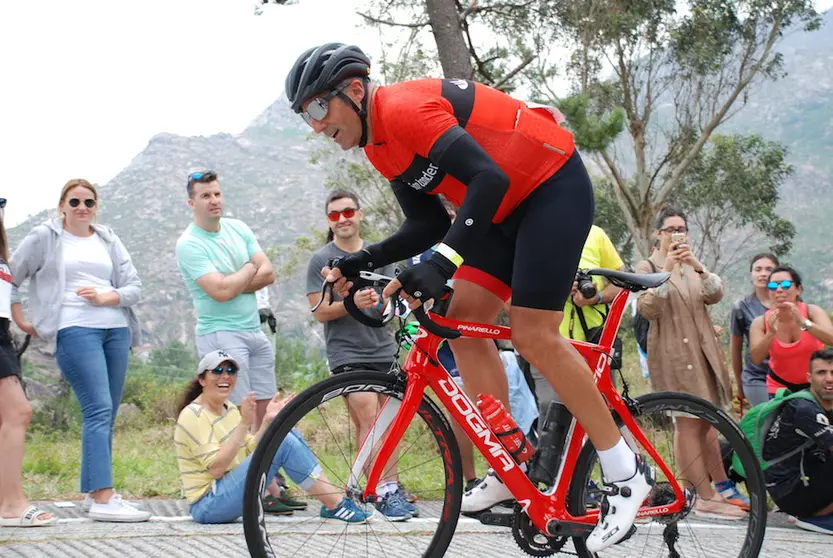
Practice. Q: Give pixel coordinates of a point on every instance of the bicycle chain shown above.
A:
(525, 535)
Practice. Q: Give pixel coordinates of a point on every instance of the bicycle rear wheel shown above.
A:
(687, 534)
(429, 465)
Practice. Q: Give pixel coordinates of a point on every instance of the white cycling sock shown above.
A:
(619, 462)
(386, 488)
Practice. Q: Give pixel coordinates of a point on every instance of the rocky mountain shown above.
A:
(270, 184)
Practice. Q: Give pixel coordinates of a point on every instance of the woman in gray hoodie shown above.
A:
(82, 287)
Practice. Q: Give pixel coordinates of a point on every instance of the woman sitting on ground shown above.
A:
(788, 333)
(214, 455)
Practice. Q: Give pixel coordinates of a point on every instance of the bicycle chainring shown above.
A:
(530, 539)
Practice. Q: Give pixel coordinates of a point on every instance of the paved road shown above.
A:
(170, 534)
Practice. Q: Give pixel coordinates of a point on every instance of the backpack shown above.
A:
(641, 324)
(757, 422)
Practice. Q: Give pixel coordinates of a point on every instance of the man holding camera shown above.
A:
(586, 309)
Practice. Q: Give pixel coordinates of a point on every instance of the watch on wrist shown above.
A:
(806, 324)
(601, 299)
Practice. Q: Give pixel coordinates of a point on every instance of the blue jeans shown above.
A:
(94, 362)
(224, 503)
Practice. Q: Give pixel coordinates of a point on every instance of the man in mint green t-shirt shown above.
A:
(223, 265)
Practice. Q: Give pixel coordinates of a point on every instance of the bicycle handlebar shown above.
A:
(367, 279)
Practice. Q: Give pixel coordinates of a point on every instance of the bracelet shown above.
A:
(701, 272)
(601, 299)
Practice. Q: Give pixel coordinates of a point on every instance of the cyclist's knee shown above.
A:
(528, 337)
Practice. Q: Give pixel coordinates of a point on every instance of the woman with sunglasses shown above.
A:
(214, 452)
(82, 288)
(789, 333)
(15, 411)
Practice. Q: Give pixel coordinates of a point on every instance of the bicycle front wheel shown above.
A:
(342, 421)
(667, 421)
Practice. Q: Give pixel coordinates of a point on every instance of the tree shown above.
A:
(730, 194)
(677, 74)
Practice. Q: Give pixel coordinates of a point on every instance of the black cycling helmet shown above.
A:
(321, 69)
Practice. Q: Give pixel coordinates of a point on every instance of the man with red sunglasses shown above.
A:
(350, 345)
(526, 207)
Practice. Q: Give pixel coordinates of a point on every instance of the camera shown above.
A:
(585, 285)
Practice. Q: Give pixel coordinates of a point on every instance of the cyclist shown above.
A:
(517, 179)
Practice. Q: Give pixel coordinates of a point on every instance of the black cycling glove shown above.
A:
(364, 260)
(426, 280)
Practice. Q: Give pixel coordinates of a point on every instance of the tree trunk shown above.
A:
(448, 34)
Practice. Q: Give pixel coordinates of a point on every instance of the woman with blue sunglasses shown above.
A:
(789, 333)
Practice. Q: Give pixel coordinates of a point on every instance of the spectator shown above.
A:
(584, 315)
(83, 285)
(223, 266)
(351, 345)
(802, 484)
(15, 411)
(683, 359)
(789, 332)
(214, 448)
(751, 377)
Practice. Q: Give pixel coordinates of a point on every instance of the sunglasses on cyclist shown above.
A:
(230, 370)
(320, 106)
(89, 203)
(348, 213)
(785, 284)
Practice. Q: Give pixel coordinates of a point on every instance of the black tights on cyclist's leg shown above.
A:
(535, 335)
(477, 359)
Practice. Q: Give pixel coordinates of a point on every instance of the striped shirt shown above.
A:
(198, 436)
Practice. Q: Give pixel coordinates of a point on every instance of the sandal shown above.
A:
(718, 509)
(29, 518)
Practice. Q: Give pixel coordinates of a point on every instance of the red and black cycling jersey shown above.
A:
(482, 149)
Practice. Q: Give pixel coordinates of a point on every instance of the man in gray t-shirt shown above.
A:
(351, 345)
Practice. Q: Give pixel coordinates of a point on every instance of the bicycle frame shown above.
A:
(423, 370)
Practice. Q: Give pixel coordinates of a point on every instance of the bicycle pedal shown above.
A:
(494, 519)
(628, 535)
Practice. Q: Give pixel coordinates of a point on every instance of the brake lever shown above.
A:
(324, 288)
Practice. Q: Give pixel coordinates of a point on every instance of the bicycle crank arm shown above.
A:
(494, 519)
(557, 528)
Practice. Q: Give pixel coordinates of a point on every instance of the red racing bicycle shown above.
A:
(408, 423)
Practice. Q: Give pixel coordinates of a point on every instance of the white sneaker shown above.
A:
(485, 494)
(118, 511)
(88, 502)
(619, 506)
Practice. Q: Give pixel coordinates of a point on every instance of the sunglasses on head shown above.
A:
(199, 175)
(320, 106)
(785, 284)
(230, 370)
(89, 203)
(348, 213)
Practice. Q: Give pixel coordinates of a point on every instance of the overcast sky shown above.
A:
(86, 83)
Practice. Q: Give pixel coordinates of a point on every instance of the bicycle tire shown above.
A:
(576, 501)
(392, 385)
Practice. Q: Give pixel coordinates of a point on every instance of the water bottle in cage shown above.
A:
(505, 428)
